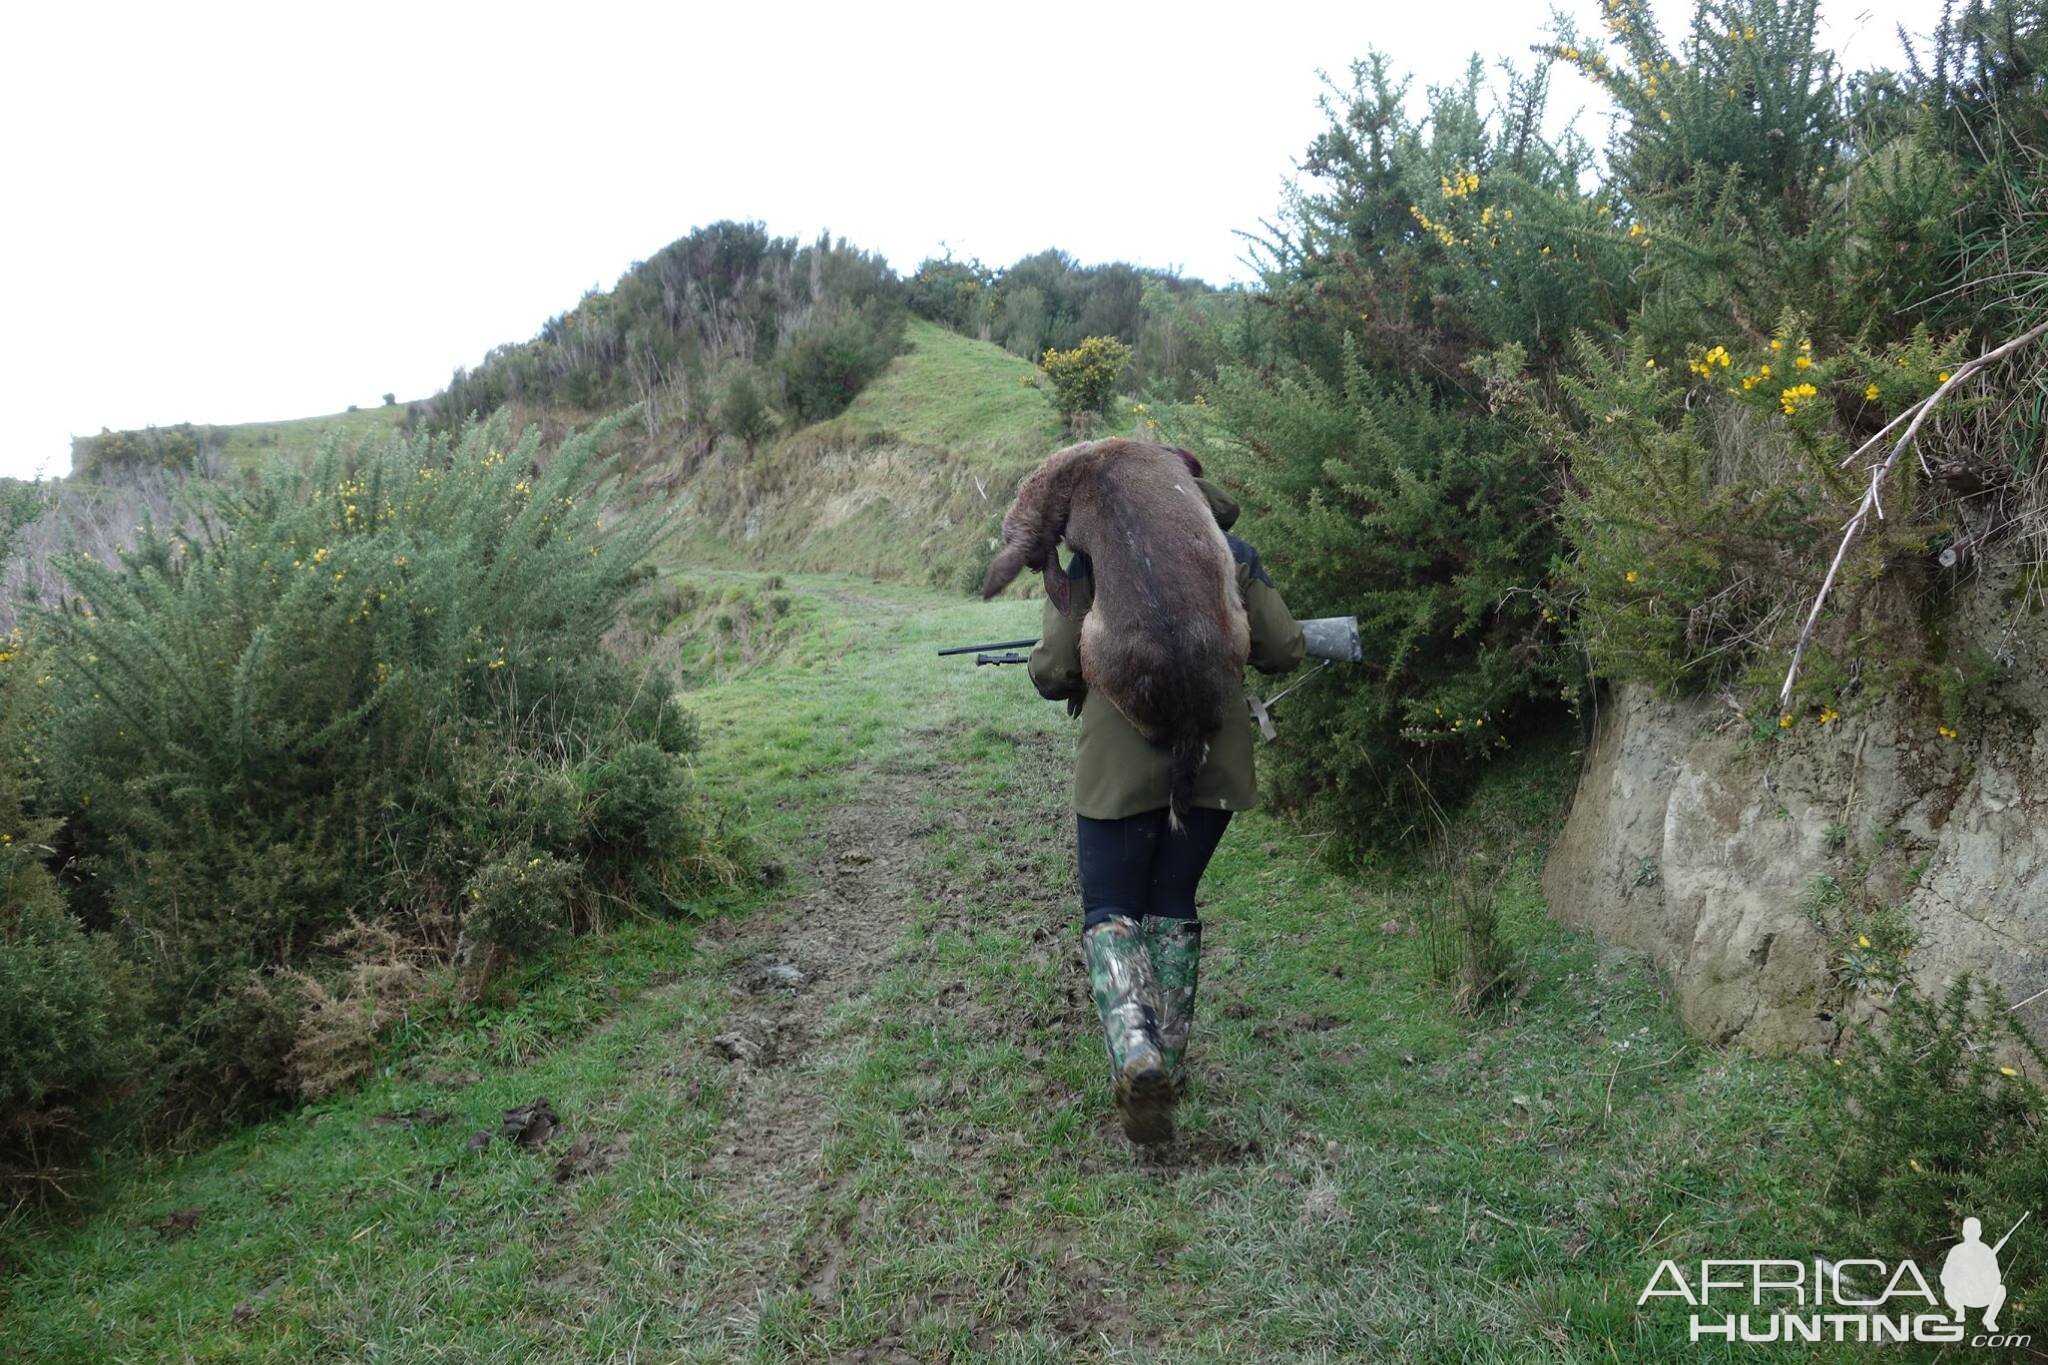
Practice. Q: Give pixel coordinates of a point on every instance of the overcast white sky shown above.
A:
(229, 213)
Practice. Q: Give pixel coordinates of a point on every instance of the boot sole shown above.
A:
(1145, 1103)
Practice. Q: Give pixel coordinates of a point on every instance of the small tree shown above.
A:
(1084, 378)
(390, 400)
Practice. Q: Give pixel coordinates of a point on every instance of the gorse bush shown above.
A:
(1376, 499)
(1939, 1125)
(1383, 473)
(1800, 256)
(1535, 420)
(1698, 499)
(372, 694)
(114, 455)
(61, 1037)
(1084, 378)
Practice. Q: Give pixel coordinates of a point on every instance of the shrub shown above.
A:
(517, 904)
(827, 366)
(343, 700)
(1937, 1125)
(1375, 498)
(1084, 378)
(114, 455)
(61, 1035)
(1522, 419)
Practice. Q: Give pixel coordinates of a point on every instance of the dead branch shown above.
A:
(1872, 496)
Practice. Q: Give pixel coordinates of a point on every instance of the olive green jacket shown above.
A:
(1117, 771)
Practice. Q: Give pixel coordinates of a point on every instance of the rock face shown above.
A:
(1783, 882)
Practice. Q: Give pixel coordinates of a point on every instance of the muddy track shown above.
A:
(792, 968)
(797, 976)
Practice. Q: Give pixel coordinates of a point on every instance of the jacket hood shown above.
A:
(1220, 502)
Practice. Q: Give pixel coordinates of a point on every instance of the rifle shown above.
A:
(982, 658)
(1333, 639)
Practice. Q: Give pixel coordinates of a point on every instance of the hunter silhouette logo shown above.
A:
(1969, 1274)
(1857, 1299)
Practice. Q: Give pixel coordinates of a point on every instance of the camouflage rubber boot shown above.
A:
(1120, 973)
(1176, 949)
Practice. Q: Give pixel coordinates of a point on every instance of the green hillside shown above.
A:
(908, 483)
(952, 393)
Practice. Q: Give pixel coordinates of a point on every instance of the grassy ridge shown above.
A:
(249, 444)
(907, 484)
(950, 392)
(924, 1161)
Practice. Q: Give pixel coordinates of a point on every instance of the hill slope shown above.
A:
(907, 483)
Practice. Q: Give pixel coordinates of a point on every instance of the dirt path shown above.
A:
(792, 972)
(803, 979)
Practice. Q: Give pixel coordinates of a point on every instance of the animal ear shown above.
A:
(1001, 570)
(1055, 579)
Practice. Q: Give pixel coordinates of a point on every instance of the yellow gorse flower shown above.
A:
(1440, 231)
(1705, 364)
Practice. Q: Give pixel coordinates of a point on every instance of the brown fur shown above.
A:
(1167, 639)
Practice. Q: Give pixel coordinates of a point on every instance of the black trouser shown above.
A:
(1137, 867)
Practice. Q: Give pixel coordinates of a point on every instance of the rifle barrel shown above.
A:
(1001, 644)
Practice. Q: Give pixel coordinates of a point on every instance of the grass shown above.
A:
(908, 483)
(249, 444)
(1364, 1172)
(951, 392)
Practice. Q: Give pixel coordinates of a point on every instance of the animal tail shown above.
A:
(1189, 749)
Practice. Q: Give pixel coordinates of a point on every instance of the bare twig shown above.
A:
(1854, 768)
(1872, 496)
